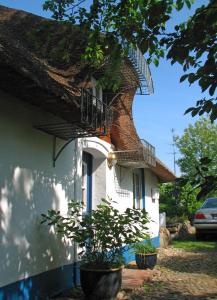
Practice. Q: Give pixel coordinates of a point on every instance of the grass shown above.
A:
(146, 287)
(192, 245)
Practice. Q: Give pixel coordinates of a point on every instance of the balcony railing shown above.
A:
(95, 113)
(149, 153)
(140, 65)
(90, 117)
(142, 156)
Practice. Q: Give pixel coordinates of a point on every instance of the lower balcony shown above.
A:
(90, 117)
(140, 157)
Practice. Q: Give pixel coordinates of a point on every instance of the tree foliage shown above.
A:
(198, 140)
(139, 23)
(112, 26)
(179, 202)
(198, 162)
(194, 46)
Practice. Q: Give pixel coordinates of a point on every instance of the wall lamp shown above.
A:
(111, 159)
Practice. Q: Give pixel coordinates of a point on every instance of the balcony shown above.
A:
(140, 157)
(90, 117)
(141, 67)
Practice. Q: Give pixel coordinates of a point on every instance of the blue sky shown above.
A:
(155, 115)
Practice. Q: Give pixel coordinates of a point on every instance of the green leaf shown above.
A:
(195, 111)
(212, 89)
(179, 4)
(156, 62)
(183, 77)
(190, 109)
(188, 3)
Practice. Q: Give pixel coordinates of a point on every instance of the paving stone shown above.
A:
(134, 278)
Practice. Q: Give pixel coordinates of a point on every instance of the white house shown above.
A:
(50, 152)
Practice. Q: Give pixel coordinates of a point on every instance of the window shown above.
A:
(137, 189)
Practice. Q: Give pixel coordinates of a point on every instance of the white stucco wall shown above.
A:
(29, 186)
(122, 192)
(151, 205)
(121, 187)
(118, 185)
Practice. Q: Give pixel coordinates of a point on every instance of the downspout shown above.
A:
(75, 254)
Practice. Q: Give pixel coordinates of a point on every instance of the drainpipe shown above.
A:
(75, 254)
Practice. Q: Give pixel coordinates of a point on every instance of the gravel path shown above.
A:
(182, 275)
(179, 275)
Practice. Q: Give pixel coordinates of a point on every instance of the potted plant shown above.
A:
(101, 236)
(145, 254)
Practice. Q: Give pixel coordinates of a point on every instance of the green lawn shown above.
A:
(193, 245)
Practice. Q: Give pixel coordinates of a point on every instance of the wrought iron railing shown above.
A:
(95, 113)
(140, 65)
(149, 153)
(89, 117)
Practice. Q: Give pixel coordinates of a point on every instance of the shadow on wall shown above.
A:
(29, 186)
(28, 248)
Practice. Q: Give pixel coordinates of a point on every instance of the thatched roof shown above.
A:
(41, 60)
(26, 69)
(35, 67)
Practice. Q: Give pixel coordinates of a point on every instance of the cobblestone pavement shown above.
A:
(179, 275)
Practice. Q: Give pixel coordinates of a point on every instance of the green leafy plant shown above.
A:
(144, 247)
(101, 234)
(178, 200)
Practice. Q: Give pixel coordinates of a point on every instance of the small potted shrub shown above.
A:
(145, 254)
(101, 236)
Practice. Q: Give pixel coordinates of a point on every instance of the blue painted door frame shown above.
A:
(87, 159)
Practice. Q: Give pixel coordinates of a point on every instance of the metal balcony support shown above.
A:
(57, 154)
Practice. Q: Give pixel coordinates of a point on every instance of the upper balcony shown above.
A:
(142, 69)
(136, 73)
